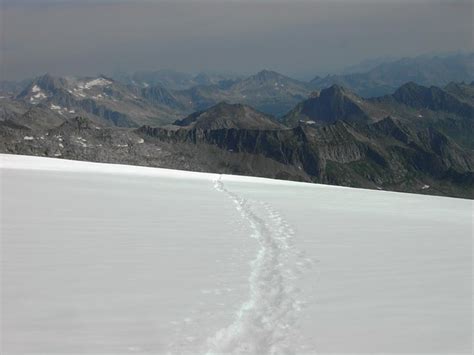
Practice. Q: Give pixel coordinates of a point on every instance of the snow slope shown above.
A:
(110, 259)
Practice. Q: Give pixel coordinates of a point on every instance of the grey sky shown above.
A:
(293, 37)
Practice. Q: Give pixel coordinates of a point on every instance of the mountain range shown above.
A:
(386, 77)
(416, 139)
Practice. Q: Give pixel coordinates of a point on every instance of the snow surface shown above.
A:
(103, 258)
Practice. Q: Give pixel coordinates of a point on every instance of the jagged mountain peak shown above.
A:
(226, 115)
(42, 84)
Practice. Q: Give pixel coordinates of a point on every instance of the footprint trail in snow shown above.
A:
(265, 323)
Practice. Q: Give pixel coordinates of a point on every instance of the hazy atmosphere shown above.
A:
(301, 38)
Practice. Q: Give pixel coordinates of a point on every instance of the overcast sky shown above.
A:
(86, 37)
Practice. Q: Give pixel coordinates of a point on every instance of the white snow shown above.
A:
(72, 111)
(104, 258)
(55, 107)
(87, 85)
(38, 94)
(424, 187)
(96, 82)
(28, 138)
(82, 142)
(141, 141)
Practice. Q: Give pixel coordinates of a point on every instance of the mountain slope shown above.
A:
(450, 110)
(331, 105)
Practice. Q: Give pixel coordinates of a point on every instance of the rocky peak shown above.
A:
(225, 115)
(50, 83)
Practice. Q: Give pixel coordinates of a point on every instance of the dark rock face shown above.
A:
(331, 105)
(382, 155)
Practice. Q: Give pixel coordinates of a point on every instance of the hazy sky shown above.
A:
(293, 37)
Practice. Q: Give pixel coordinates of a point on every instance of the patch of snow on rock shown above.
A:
(97, 82)
(28, 138)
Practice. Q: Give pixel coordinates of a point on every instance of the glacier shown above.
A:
(115, 259)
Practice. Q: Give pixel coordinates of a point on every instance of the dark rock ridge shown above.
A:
(386, 155)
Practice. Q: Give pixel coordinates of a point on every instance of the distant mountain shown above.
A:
(173, 80)
(12, 88)
(385, 78)
(463, 91)
(432, 98)
(224, 115)
(101, 99)
(169, 79)
(267, 91)
(366, 65)
(108, 101)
